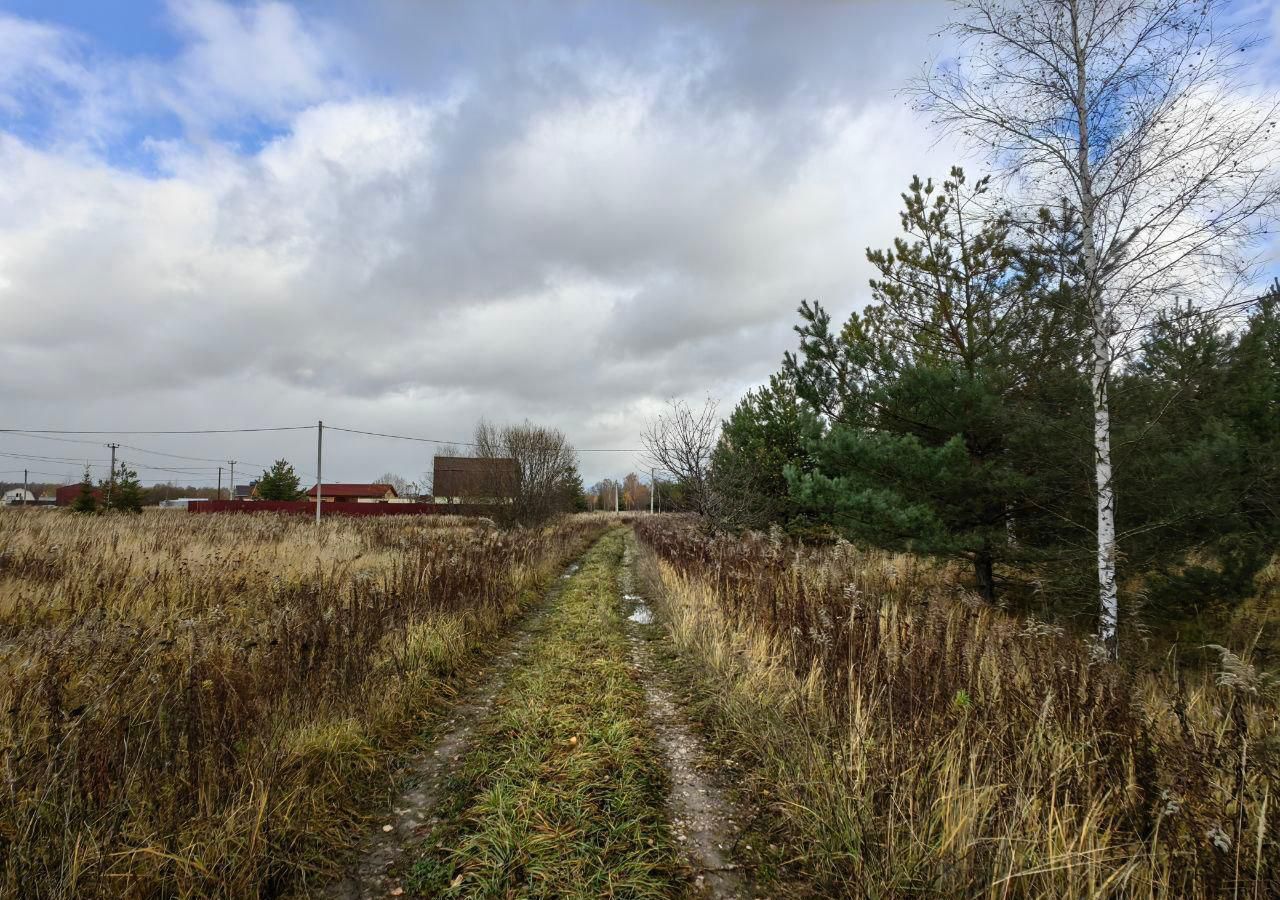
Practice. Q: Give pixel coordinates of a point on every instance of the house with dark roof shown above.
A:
(355, 493)
(467, 479)
(246, 491)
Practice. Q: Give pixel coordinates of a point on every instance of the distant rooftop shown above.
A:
(469, 476)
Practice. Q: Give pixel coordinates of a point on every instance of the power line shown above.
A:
(401, 437)
(80, 461)
(132, 447)
(47, 434)
(68, 459)
(34, 472)
(38, 431)
(191, 458)
(406, 437)
(102, 465)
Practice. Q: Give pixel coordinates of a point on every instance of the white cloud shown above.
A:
(261, 60)
(35, 60)
(569, 233)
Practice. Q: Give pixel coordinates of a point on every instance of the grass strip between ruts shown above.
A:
(562, 793)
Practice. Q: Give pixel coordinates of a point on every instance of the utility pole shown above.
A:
(218, 496)
(111, 482)
(231, 490)
(24, 487)
(319, 471)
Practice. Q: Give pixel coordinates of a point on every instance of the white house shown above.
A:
(16, 496)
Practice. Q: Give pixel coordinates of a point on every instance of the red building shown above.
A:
(67, 494)
(355, 493)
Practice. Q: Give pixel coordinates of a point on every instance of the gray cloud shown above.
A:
(565, 211)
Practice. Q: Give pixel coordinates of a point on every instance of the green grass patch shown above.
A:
(562, 794)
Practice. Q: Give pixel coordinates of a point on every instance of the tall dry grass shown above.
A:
(916, 741)
(205, 705)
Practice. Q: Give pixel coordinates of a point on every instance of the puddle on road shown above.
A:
(641, 615)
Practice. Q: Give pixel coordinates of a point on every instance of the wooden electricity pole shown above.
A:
(319, 472)
(111, 481)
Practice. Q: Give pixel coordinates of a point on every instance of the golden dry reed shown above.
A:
(914, 741)
(206, 705)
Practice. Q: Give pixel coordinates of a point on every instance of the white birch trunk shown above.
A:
(1109, 604)
(1108, 599)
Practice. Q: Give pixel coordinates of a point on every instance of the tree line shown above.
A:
(952, 417)
(1062, 369)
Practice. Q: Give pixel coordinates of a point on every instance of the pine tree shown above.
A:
(86, 501)
(125, 494)
(933, 396)
(279, 482)
(766, 432)
(1200, 419)
(573, 495)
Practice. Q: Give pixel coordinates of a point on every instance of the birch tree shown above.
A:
(1139, 115)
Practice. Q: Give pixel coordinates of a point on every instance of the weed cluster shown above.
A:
(916, 740)
(206, 705)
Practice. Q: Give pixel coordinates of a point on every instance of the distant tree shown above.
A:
(635, 493)
(401, 485)
(680, 442)
(604, 491)
(85, 501)
(124, 493)
(279, 482)
(545, 476)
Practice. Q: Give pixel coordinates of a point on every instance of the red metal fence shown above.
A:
(332, 508)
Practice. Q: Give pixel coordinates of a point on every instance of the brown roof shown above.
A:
(354, 490)
(468, 476)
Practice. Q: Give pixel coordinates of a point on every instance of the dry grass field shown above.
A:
(913, 741)
(219, 706)
(209, 705)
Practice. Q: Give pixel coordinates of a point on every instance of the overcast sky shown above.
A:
(403, 216)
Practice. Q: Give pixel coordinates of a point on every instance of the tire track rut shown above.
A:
(705, 822)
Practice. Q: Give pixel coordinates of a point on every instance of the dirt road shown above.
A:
(569, 770)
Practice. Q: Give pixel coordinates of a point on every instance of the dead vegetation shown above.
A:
(917, 741)
(207, 705)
